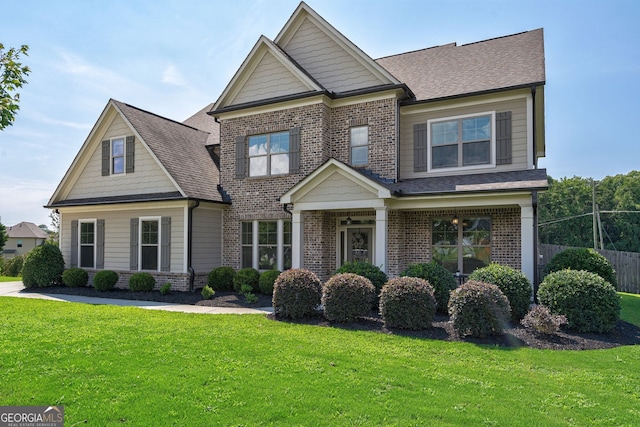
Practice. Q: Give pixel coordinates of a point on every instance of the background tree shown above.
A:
(3, 236)
(54, 215)
(12, 77)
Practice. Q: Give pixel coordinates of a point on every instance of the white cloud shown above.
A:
(171, 75)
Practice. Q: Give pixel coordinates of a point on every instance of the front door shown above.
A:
(359, 244)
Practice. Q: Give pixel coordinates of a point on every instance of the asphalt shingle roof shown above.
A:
(451, 70)
(204, 122)
(26, 230)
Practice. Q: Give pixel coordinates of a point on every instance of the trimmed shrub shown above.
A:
(589, 302)
(207, 292)
(221, 279)
(2, 262)
(583, 259)
(440, 279)
(478, 309)
(74, 277)
(165, 289)
(13, 266)
(246, 276)
(513, 284)
(43, 266)
(267, 278)
(105, 280)
(296, 293)
(346, 296)
(407, 303)
(365, 269)
(141, 282)
(540, 320)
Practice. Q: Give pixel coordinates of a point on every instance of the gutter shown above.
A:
(192, 272)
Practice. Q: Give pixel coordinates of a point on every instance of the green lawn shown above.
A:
(127, 366)
(10, 279)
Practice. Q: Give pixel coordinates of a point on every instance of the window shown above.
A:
(461, 245)
(87, 244)
(461, 142)
(19, 243)
(117, 156)
(149, 244)
(266, 245)
(269, 154)
(359, 142)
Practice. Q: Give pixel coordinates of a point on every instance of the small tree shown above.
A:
(3, 236)
(12, 77)
(43, 266)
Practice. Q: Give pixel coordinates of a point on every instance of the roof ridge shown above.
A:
(500, 37)
(157, 115)
(454, 44)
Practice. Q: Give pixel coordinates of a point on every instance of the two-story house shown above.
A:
(326, 155)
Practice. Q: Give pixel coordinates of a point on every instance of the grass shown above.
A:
(10, 279)
(113, 366)
(630, 308)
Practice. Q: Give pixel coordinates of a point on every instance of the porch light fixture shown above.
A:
(348, 220)
(454, 221)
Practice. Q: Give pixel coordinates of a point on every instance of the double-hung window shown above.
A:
(464, 141)
(117, 156)
(461, 244)
(269, 154)
(87, 244)
(266, 245)
(359, 143)
(149, 244)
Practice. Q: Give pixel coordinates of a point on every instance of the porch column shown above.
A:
(381, 238)
(526, 241)
(297, 245)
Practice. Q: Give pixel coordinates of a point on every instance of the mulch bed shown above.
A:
(515, 335)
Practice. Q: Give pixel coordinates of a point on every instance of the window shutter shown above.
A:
(420, 147)
(294, 150)
(133, 248)
(106, 148)
(100, 244)
(240, 157)
(503, 138)
(165, 243)
(130, 154)
(74, 243)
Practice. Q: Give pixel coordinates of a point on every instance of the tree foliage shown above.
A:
(3, 236)
(12, 76)
(569, 202)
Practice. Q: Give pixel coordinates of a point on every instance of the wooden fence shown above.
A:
(626, 264)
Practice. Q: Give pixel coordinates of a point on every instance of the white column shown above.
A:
(280, 243)
(381, 239)
(526, 241)
(297, 245)
(255, 252)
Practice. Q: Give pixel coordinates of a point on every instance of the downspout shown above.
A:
(192, 272)
(533, 103)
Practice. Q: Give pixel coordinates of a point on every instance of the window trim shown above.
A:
(460, 238)
(352, 146)
(269, 154)
(80, 245)
(158, 244)
(492, 143)
(112, 157)
(255, 242)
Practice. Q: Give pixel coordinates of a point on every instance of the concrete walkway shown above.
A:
(12, 289)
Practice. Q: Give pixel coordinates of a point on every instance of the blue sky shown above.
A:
(175, 57)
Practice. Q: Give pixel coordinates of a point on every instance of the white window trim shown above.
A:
(268, 155)
(159, 221)
(93, 221)
(124, 155)
(342, 228)
(255, 247)
(460, 246)
(352, 146)
(492, 143)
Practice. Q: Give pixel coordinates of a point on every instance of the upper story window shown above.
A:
(461, 142)
(118, 156)
(359, 144)
(269, 154)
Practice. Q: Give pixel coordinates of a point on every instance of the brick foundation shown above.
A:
(179, 281)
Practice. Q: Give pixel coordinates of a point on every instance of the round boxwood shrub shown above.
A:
(407, 303)
(267, 279)
(346, 296)
(440, 279)
(583, 259)
(13, 266)
(247, 276)
(588, 301)
(513, 284)
(43, 266)
(75, 277)
(296, 293)
(365, 269)
(141, 282)
(105, 280)
(221, 278)
(478, 309)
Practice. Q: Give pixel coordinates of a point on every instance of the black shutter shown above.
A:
(100, 244)
(165, 243)
(294, 150)
(420, 148)
(240, 157)
(133, 245)
(106, 157)
(503, 138)
(74, 244)
(130, 153)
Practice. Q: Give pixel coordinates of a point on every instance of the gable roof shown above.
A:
(450, 70)
(204, 122)
(26, 230)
